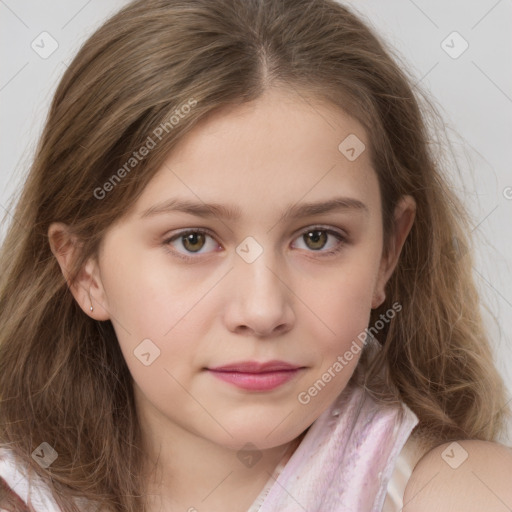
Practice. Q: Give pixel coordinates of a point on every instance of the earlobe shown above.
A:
(378, 298)
(404, 215)
(87, 288)
(94, 304)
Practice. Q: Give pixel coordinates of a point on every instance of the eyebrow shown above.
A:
(231, 212)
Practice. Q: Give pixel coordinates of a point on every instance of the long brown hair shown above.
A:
(160, 67)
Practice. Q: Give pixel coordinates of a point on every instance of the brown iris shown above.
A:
(318, 238)
(191, 241)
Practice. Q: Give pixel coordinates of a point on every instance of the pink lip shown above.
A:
(255, 376)
(255, 367)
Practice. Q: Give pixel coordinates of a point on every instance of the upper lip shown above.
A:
(256, 367)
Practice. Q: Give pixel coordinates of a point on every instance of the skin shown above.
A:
(477, 480)
(290, 304)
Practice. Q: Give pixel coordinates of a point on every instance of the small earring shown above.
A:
(92, 309)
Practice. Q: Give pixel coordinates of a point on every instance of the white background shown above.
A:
(473, 92)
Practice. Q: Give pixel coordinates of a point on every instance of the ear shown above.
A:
(404, 214)
(87, 289)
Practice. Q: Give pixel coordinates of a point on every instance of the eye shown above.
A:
(317, 237)
(192, 241)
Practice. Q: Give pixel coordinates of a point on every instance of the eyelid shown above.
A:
(321, 227)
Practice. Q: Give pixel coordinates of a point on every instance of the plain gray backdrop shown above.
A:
(459, 51)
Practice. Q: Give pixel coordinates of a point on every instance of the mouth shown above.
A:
(255, 376)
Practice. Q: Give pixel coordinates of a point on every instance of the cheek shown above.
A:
(344, 299)
(143, 296)
(343, 305)
(154, 310)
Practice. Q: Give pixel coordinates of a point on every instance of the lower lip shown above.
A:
(256, 381)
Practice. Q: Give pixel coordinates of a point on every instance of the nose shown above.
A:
(259, 300)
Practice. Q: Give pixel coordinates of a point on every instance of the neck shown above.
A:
(190, 473)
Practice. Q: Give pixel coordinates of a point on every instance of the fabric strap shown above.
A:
(346, 459)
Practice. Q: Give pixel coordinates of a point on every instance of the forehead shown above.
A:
(279, 149)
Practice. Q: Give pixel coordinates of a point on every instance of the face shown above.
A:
(193, 289)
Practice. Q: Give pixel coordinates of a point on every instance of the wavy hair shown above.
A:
(63, 379)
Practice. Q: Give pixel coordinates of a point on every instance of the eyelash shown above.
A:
(342, 241)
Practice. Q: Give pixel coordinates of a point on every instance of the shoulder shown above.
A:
(467, 475)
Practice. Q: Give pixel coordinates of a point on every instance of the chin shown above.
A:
(262, 435)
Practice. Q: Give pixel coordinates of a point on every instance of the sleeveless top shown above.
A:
(358, 455)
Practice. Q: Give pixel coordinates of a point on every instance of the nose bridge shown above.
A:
(254, 260)
(260, 276)
(261, 300)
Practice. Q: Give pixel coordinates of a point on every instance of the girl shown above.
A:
(170, 343)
